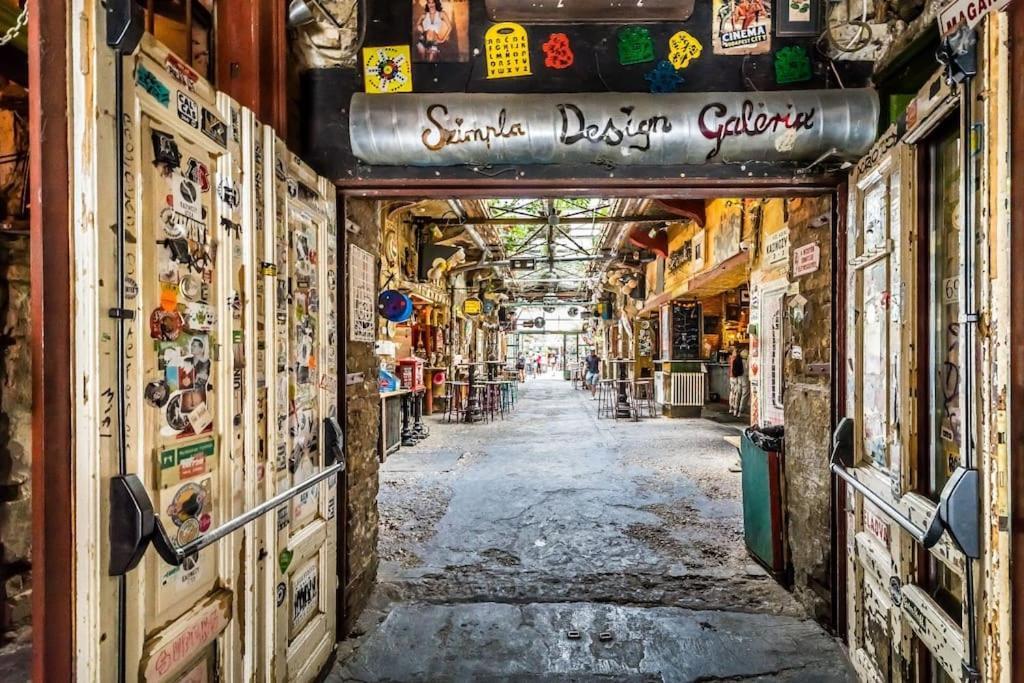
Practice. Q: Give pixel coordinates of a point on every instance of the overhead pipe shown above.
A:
(632, 129)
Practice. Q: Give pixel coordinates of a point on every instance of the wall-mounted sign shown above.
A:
(969, 12)
(797, 17)
(441, 30)
(472, 306)
(588, 10)
(557, 52)
(792, 65)
(683, 49)
(387, 69)
(507, 51)
(741, 27)
(776, 247)
(806, 259)
(637, 129)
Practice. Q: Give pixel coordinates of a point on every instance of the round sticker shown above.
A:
(172, 227)
(187, 531)
(187, 504)
(157, 393)
(282, 592)
(191, 287)
(165, 325)
(176, 418)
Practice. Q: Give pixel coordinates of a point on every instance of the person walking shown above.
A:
(593, 375)
(739, 385)
(521, 368)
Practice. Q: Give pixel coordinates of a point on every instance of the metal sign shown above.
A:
(472, 306)
(634, 129)
(589, 10)
(969, 12)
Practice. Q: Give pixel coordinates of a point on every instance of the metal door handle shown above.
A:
(134, 524)
(958, 510)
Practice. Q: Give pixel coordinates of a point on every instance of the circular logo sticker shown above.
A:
(188, 503)
(165, 325)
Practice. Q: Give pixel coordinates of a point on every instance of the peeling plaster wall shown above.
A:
(362, 423)
(807, 407)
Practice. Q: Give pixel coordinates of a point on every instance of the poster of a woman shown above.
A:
(440, 30)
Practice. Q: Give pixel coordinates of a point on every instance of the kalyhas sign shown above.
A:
(610, 128)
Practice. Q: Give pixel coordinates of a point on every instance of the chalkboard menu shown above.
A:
(686, 323)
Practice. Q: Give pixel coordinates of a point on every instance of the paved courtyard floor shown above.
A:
(553, 546)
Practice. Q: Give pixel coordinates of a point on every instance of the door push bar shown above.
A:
(958, 511)
(134, 524)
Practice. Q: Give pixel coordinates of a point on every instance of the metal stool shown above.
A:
(606, 398)
(643, 397)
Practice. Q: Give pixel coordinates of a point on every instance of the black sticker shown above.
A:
(188, 110)
(231, 228)
(282, 592)
(229, 194)
(214, 128)
(165, 149)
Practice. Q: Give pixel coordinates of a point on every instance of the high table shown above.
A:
(473, 407)
(622, 408)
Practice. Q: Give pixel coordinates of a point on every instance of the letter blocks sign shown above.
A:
(507, 51)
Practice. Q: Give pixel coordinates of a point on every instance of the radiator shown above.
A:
(688, 389)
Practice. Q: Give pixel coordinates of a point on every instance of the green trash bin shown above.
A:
(764, 524)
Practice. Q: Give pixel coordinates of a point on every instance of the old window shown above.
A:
(939, 310)
(872, 263)
(186, 28)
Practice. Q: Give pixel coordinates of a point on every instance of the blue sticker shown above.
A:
(151, 84)
(664, 78)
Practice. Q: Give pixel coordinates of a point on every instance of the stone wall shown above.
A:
(15, 396)
(15, 436)
(362, 423)
(808, 325)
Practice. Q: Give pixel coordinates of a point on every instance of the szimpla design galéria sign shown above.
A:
(614, 128)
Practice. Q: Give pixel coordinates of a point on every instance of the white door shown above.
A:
(894, 610)
(302, 381)
(229, 369)
(183, 400)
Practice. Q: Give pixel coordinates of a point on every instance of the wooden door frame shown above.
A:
(51, 254)
(1016, 284)
(839, 555)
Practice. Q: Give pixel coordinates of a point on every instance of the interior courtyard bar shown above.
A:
(509, 340)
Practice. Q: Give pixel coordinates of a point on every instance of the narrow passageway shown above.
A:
(501, 542)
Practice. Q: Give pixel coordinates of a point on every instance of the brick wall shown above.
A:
(361, 436)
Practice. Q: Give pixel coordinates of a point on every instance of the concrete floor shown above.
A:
(554, 546)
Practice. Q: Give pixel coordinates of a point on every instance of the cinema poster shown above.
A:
(741, 27)
(440, 30)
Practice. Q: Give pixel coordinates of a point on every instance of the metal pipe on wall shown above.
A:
(624, 128)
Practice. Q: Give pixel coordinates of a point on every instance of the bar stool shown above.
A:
(456, 408)
(643, 397)
(606, 398)
(479, 395)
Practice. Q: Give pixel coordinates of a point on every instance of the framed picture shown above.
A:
(797, 17)
(440, 30)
